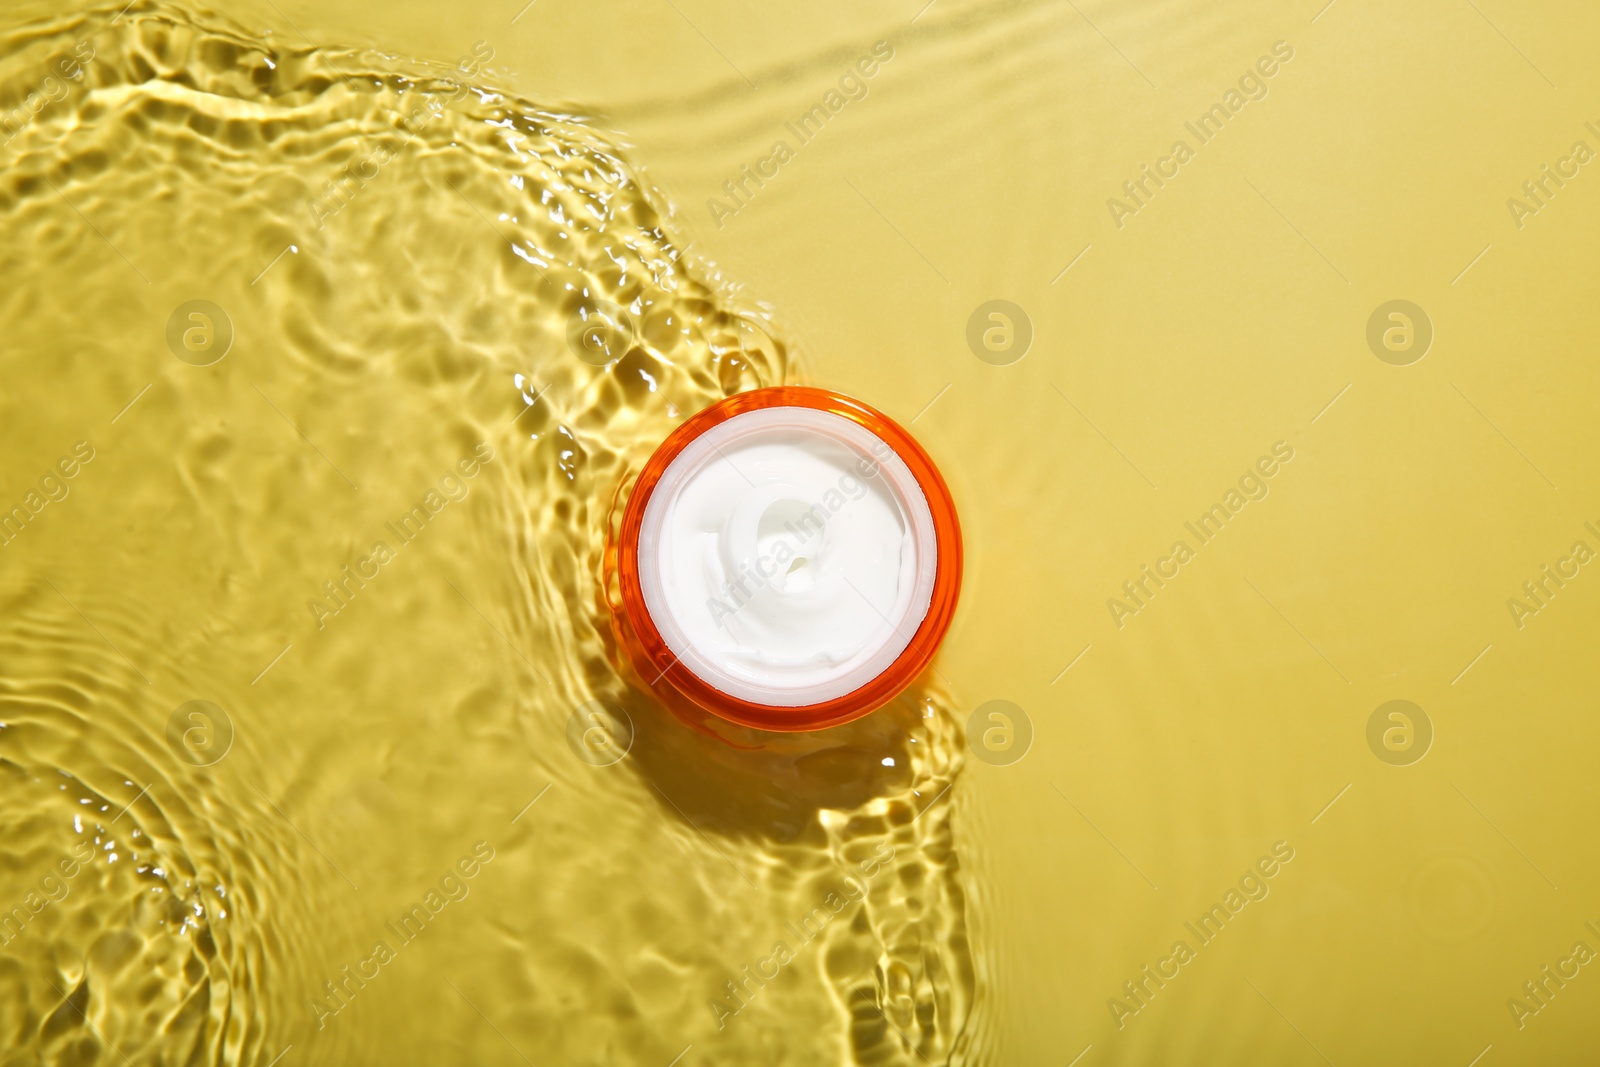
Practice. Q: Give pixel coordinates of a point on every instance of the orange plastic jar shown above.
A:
(789, 560)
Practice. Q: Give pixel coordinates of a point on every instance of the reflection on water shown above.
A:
(361, 357)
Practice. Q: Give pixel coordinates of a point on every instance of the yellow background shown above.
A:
(1223, 317)
(1194, 337)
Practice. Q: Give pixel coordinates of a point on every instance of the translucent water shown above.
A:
(363, 353)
